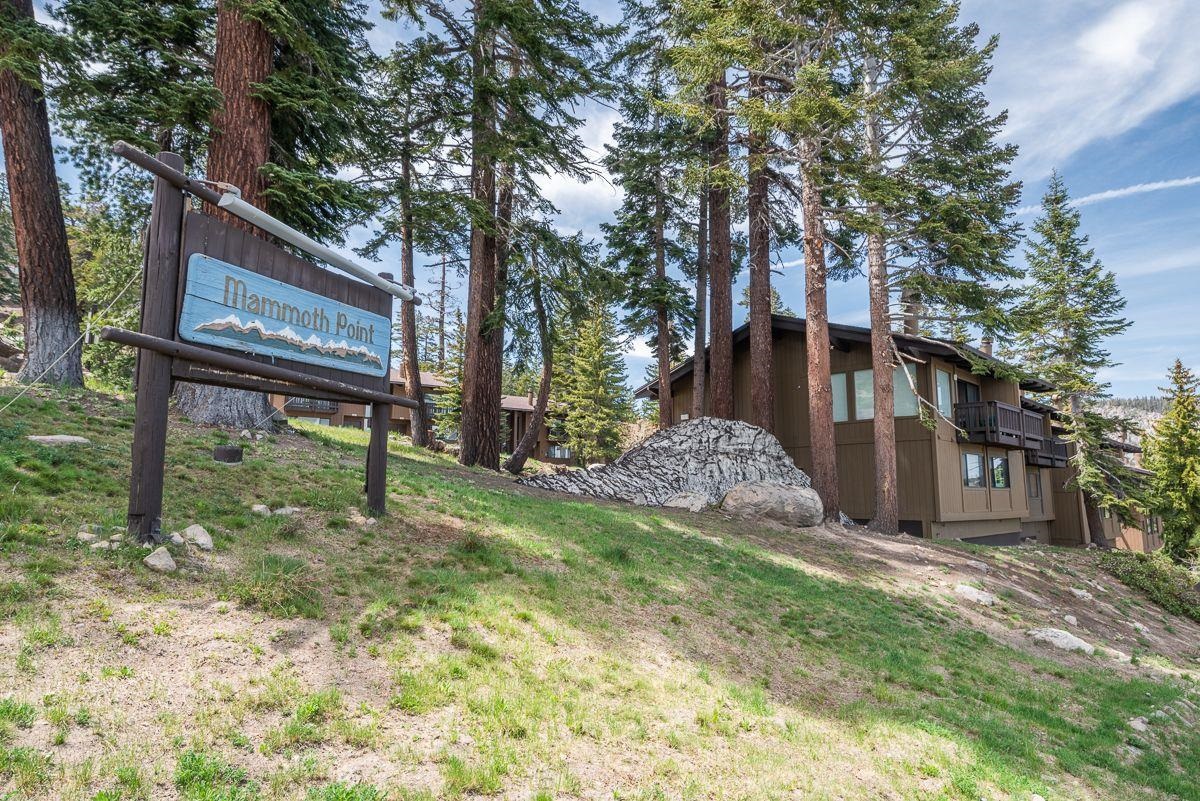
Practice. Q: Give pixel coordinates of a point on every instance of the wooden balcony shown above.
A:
(1052, 453)
(996, 423)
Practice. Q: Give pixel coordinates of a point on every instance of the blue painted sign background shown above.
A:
(231, 307)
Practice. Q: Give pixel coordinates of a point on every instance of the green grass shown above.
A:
(532, 633)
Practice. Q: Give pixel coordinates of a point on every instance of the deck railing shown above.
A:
(994, 423)
(310, 405)
(1052, 453)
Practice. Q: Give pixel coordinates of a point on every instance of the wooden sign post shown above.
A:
(221, 306)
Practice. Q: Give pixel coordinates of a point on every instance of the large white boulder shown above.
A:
(789, 504)
(1063, 640)
(702, 457)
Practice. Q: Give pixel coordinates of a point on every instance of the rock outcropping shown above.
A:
(703, 457)
(783, 503)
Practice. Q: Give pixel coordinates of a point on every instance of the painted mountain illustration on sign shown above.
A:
(232, 327)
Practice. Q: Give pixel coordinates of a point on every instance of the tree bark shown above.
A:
(822, 440)
(52, 349)
(699, 357)
(762, 379)
(662, 320)
(480, 421)
(720, 264)
(240, 147)
(516, 462)
(442, 319)
(1095, 523)
(421, 436)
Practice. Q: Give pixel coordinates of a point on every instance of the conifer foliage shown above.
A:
(1172, 455)
(593, 401)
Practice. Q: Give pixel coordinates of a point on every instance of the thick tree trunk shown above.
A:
(762, 379)
(820, 395)
(240, 147)
(516, 463)
(887, 510)
(662, 320)
(720, 265)
(480, 421)
(699, 359)
(421, 435)
(1095, 523)
(51, 317)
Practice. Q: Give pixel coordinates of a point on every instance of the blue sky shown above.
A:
(1106, 92)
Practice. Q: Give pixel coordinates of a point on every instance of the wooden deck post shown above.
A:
(381, 420)
(160, 283)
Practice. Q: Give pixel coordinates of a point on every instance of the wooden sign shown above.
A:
(234, 308)
(222, 305)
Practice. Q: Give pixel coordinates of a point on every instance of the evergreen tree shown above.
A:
(448, 421)
(648, 159)
(1073, 307)
(593, 401)
(1172, 454)
(48, 304)
(777, 304)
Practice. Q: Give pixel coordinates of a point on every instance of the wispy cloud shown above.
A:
(1124, 191)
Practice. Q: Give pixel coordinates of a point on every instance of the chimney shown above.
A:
(530, 396)
(985, 345)
(910, 310)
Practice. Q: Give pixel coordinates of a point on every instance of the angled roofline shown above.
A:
(840, 334)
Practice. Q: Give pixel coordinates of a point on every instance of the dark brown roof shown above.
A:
(428, 380)
(840, 334)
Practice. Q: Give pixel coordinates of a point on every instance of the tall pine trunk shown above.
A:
(720, 263)
(241, 145)
(51, 317)
(480, 420)
(516, 463)
(1091, 509)
(699, 359)
(762, 379)
(822, 441)
(408, 312)
(442, 319)
(662, 320)
(886, 519)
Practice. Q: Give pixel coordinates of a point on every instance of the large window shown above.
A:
(864, 394)
(904, 401)
(1000, 476)
(558, 452)
(945, 400)
(972, 467)
(841, 401)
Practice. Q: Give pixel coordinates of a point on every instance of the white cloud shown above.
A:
(1072, 72)
(1124, 191)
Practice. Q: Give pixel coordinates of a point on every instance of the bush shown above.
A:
(1172, 587)
(281, 586)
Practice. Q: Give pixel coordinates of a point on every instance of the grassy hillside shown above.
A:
(489, 641)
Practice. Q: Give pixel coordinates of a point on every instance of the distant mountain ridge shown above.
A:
(289, 337)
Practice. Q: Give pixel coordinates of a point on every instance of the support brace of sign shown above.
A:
(257, 317)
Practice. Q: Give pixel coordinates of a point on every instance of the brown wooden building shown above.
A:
(995, 476)
(517, 411)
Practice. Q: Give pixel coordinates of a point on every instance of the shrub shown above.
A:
(1172, 587)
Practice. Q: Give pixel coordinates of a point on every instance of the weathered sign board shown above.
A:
(222, 305)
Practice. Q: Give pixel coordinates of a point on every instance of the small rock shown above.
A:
(176, 540)
(1082, 595)
(102, 545)
(976, 595)
(692, 501)
(58, 439)
(246, 433)
(1063, 640)
(260, 509)
(1071, 620)
(286, 511)
(1139, 724)
(197, 535)
(982, 567)
(116, 538)
(86, 536)
(160, 561)
(370, 521)
(1036, 797)
(1140, 629)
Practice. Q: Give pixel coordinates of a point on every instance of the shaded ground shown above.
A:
(486, 640)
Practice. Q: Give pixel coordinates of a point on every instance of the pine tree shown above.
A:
(1072, 309)
(593, 401)
(448, 421)
(1172, 455)
(49, 311)
(777, 305)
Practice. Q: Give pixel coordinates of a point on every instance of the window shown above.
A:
(558, 452)
(967, 392)
(841, 403)
(1033, 484)
(1000, 476)
(904, 400)
(683, 417)
(945, 400)
(973, 470)
(864, 394)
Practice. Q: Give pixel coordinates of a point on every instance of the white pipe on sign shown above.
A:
(233, 204)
